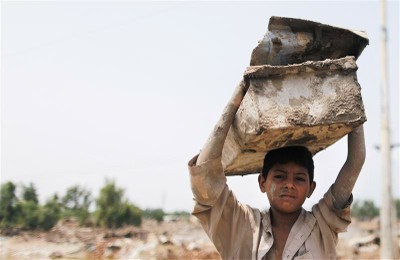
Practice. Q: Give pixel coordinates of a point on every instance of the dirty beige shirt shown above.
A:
(239, 231)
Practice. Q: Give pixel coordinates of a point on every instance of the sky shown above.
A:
(129, 91)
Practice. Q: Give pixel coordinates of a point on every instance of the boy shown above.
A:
(286, 231)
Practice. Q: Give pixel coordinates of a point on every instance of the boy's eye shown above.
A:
(279, 176)
(300, 179)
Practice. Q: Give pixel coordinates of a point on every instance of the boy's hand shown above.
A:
(215, 142)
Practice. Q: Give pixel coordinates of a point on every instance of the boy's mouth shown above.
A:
(287, 195)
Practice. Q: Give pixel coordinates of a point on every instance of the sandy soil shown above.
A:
(183, 239)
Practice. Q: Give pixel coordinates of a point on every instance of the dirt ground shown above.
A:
(181, 239)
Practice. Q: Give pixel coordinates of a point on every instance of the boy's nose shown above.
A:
(289, 185)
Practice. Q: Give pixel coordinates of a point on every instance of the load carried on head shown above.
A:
(303, 91)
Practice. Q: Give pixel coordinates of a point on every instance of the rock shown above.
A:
(164, 240)
(55, 255)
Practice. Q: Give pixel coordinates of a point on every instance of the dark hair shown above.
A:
(297, 154)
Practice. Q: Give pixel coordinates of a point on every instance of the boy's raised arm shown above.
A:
(348, 175)
(215, 142)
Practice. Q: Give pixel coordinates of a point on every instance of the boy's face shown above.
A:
(287, 187)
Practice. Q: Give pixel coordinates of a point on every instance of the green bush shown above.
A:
(113, 211)
(8, 205)
(156, 214)
(76, 203)
(28, 208)
(29, 214)
(50, 213)
(183, 214)
(29, 194)
(129, 214)
(365, 210)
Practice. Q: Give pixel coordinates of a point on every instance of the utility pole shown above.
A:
(388, 248)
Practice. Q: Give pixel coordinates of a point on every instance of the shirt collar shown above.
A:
(298, 234)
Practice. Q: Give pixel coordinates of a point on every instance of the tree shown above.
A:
(28, 208)
(50, 213)
(129, 214)
(29, 193)
(28, 217)
(113, 211)
(8, 205)
(365, 210)
(156, 214)
(184, 214)
(76, 203)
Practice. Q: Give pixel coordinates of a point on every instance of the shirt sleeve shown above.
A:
(336, 219)
(207, 180)
(228, 223)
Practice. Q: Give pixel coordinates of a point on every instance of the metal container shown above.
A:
(291, 41)
(312, 104)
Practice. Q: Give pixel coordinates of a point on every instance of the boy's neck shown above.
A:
(283, 220)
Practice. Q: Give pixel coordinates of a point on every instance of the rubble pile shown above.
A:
(181, 239)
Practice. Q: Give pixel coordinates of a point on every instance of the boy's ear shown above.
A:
(261, 182)
(312, 188)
